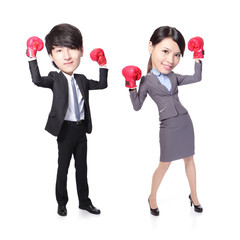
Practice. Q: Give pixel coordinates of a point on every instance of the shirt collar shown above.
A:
(157, 72)
(68, 76)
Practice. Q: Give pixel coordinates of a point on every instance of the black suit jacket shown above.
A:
(58, 83)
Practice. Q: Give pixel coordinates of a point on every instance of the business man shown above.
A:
(70, 117)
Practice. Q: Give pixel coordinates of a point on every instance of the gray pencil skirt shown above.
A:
(176, 138)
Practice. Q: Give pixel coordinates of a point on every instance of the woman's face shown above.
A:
(165, 55)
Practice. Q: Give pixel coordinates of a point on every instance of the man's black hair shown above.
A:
(63, 35)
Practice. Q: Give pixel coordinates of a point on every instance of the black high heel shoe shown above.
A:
(197, 208)
(154, 212)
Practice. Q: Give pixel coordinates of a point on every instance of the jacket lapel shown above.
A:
(172, 78)
(163, 88)
(64, 83)
(80, 84)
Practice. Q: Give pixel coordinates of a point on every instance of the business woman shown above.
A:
(166, 47)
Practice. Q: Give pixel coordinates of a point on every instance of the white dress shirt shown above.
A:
(70, 114)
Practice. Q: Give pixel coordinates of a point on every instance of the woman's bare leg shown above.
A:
(191, 175)
(156, 181)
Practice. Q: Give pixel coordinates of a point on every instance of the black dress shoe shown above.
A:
(197, 208)
(154, 212)
(90, 208)
(62, 210)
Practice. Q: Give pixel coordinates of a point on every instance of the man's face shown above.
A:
(66, 59)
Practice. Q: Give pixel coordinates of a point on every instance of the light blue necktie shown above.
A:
(76, 107)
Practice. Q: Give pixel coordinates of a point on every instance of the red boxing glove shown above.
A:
(131, 74)
(196, 45)
(98, 55)
(34, 44)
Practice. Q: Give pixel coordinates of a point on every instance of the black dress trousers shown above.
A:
(72, 140)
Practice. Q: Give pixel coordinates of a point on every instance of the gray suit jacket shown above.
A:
(168, 102)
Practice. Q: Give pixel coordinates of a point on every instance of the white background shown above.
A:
(123, 149)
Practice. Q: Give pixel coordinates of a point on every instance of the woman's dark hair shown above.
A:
(166, 32)
(63, 35)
